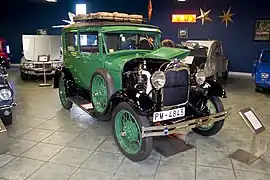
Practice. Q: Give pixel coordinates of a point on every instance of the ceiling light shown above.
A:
(51, 0)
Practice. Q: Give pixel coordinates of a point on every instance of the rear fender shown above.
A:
(216, 89)
(139, 101)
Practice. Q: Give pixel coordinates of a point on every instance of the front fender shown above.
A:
(216, 89)
(140, 101)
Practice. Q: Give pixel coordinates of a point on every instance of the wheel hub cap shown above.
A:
(99, 94)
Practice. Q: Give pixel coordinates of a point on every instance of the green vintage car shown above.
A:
(115, 69)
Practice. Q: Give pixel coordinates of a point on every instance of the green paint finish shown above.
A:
(128, 132)
(82, 65)
(99, 94)
(130, 29)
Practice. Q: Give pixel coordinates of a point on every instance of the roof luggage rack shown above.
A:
(108, 17)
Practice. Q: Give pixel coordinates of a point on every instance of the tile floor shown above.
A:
(49, 143)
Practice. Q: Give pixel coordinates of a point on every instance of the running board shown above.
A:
(86, 106)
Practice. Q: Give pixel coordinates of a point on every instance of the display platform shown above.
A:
(170, 145)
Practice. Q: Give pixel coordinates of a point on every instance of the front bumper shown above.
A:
(6, 109)
(184, 125)
(38, 72)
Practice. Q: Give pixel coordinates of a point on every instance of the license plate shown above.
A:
(170, 114)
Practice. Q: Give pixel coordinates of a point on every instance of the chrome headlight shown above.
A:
(27, 65)
(158, 80)
(55, 65)
(200, 77)
(264, 75)
(5, 94)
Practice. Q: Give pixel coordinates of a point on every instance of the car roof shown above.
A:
(110, 25)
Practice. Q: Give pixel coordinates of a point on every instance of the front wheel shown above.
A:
(24, 76)
(214, 106)
(127, 125)
(258, 89)
(7, 120)
(66, 103)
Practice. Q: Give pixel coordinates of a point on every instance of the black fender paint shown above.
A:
(216, 89)
(58, 73)
(138, 100)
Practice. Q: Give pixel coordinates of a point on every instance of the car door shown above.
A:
(71, 52)
(90, 56)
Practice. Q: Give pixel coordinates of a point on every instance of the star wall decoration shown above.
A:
(204, 16)
(227, 17)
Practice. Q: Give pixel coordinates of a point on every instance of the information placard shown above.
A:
(252, 120)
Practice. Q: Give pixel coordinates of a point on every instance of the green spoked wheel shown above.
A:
(63, 94)
(99, 94)
(212, 110)
(128, 132)
(128, 135)
(214, 106)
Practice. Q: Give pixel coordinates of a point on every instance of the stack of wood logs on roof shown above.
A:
(107, 16)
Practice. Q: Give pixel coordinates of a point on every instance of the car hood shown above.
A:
(116, 61)
(264, 67)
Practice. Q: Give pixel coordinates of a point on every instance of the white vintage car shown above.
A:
(41, 53)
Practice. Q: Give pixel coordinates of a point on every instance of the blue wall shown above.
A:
(25, 18)
(237, 38)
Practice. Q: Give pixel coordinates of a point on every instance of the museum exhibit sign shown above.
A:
(184, 18)
(258, 145)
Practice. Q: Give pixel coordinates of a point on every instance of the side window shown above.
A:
(89, 42)
(71, 40)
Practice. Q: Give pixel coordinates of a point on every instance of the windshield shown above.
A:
(266, 56)
(117, 41)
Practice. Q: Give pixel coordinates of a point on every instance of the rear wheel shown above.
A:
(225, 75)
(102, 88)
(127, 133)
(214, 106)
(66, 103)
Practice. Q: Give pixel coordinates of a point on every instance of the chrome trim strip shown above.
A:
(186, 125)
(183, 67)
(8, 106)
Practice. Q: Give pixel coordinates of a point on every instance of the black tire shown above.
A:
(217, 125)
(106, 114)
(225, 75)
(258, 89)
(147, 142)
(24, 76)
(7, 120)
(67, 104)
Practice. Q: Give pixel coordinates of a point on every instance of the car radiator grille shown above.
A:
(175, 91)
(47, 66)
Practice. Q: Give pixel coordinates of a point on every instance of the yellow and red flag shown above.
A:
(150, 9)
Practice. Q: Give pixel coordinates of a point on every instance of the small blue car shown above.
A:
(261, 71)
